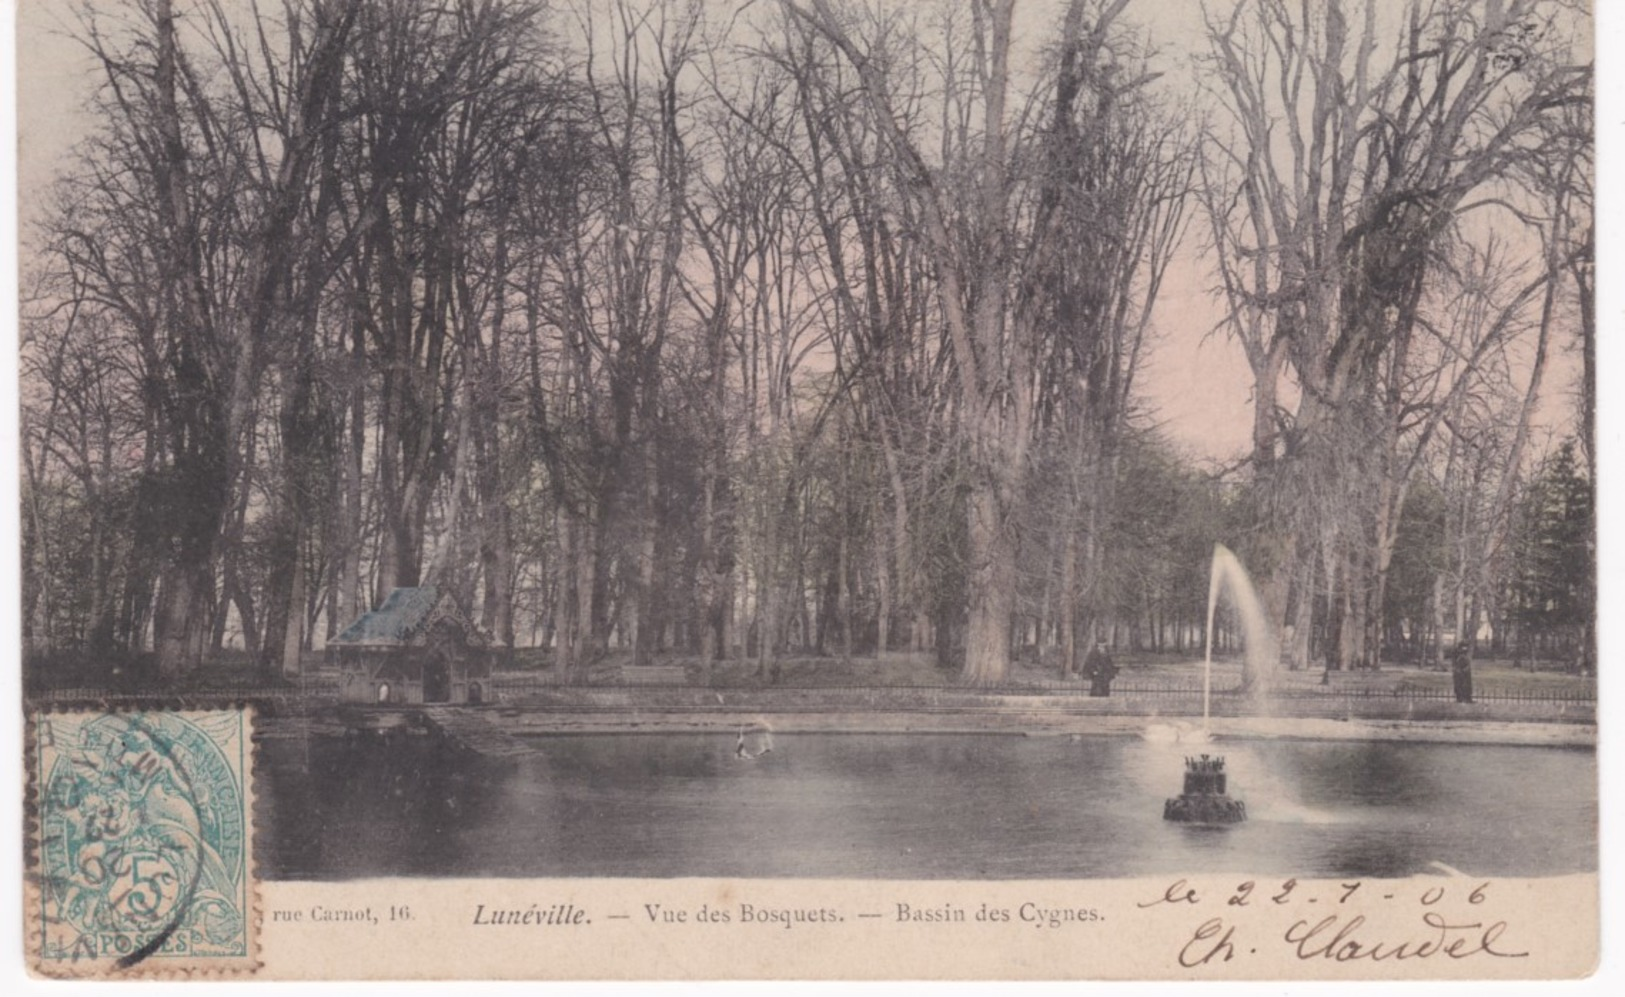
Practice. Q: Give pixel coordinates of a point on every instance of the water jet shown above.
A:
(1227, 574)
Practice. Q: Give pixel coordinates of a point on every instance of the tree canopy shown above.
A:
(737, 330)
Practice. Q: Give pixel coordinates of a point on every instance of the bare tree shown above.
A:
(1353, 162)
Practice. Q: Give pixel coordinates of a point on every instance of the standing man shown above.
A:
(1100, 670)
(1461, 671)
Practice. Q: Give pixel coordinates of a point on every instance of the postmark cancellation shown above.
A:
(140, 859)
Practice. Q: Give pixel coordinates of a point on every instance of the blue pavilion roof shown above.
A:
(396, 621)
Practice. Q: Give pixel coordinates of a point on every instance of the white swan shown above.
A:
(744, 753)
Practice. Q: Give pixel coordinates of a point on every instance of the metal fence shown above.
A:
(519, 685)
(318, 686)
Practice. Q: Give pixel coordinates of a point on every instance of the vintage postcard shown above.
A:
(808, 489)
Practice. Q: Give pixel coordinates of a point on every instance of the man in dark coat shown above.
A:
(1100, 670)
(1461, 671)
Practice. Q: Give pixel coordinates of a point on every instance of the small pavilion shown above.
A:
(418, 647)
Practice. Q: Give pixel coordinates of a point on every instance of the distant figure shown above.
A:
(1461, 671)
(744, 753)
(1100, 670)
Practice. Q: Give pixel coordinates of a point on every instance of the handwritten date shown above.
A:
(1181, 892)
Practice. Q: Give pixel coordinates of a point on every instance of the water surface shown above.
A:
(918, 806)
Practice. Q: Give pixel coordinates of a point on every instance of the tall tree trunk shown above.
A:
(347, 599)
(881, 565)
(645, 632)
(992, 582)
(293, 640)
(1069, 605)
(201, 474)
(1436, 610)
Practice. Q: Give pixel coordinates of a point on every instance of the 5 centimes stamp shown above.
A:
(141, 862)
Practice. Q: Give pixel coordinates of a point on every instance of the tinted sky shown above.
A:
(1198, 386)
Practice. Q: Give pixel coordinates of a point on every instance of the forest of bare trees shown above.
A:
(716, 330)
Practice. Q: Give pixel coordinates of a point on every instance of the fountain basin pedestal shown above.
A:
(1204, 800)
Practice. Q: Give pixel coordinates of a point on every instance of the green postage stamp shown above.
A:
(140, 862)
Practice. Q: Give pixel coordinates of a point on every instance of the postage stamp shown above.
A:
(141, 862)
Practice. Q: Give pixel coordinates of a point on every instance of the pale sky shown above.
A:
(1198, 385)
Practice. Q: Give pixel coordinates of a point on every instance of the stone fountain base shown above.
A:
(1204, 800)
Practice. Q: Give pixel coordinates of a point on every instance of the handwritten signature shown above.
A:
(1346, 936)
(1333, 938)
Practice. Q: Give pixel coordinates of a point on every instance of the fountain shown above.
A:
(1204, 800)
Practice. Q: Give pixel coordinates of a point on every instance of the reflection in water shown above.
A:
(917, 806)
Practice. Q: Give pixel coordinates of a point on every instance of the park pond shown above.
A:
(916, 806)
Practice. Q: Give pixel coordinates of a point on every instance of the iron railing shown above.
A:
(1175, 689)
(513, 686)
